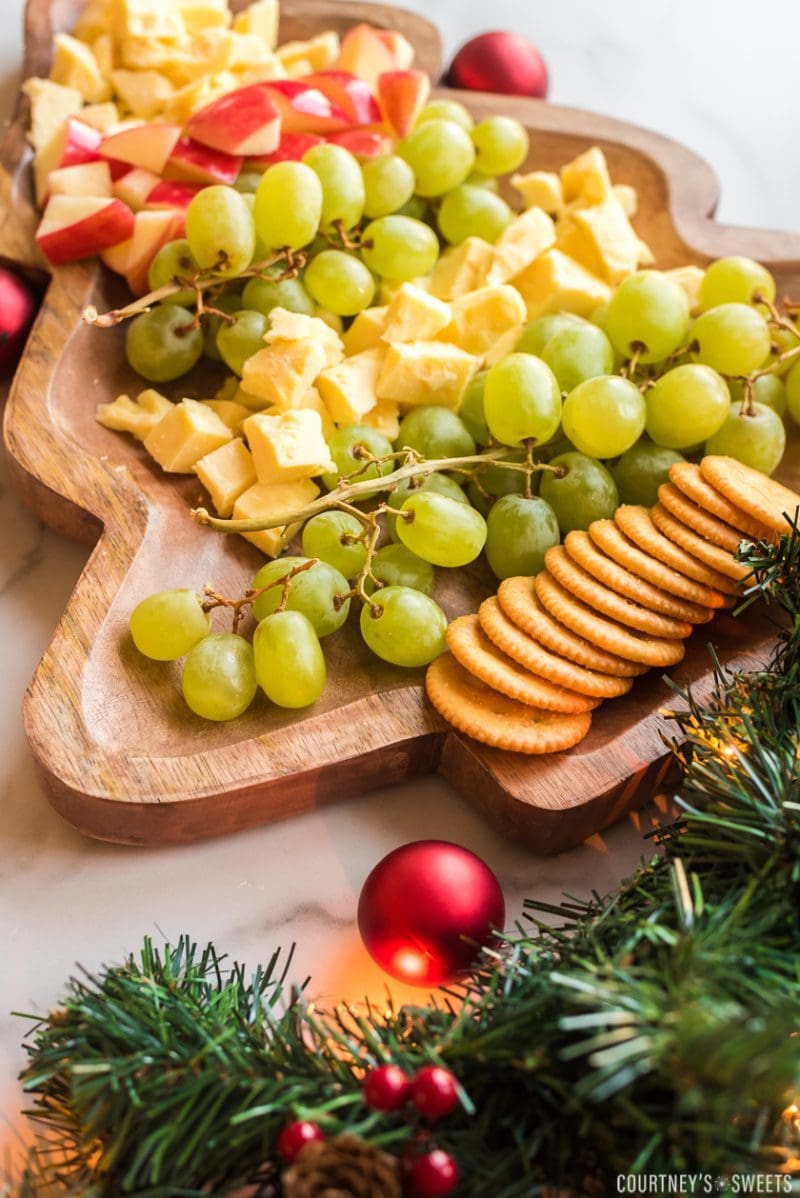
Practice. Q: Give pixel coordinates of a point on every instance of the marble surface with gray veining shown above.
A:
(719, 75)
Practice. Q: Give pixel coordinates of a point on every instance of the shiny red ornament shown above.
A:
(500, 62)
(386, 1088)
(434, 1092)
(433, 1174)
(17, 310)
(295, 1136)
(426, 910)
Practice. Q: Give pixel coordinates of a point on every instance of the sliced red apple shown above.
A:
(135, 187)
(168, 194)
(145, 146)
(349, 92)
(81, 143)
(83, 179)
(398, 46)
(291, 148)
(192, 162)
(153, 228)
(365, 54)
(305, 109)
(243, 122)
(402, 95)
(75, 227)
(364, 143)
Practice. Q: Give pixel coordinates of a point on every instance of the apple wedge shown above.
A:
(146, 146)
(132, 258)
(75, 227)
(134, 188)
(305, 109)
(291, 148)
(364, 143)
(192, 162)
(349, 93)
(365, 54)
(244, 122)
(402, 95)
(84, 179)
(167, 194)
(398, 46)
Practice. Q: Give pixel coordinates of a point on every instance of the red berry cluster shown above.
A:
(433, 1092)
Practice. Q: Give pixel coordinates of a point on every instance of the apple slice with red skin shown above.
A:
(243, 122)
(75, 227)
(291, 148)
(364, 53)
(398, 46)
(402, 95)
(132, 258)
(167, 194)
(305, 109)
(83, 179)
(364, 143)
(146, 146)
(349, 93)
(81, 143)
(135, 187)
(192, 162)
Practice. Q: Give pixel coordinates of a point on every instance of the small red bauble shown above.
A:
(295, 1136)
(500, 62)
(386, 1088)
(433, 1174)
(17, 310)
(426, 910)
(434, 1092)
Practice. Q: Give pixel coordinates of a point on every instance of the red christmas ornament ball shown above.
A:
(426, 910)
(17, 310)
(386, 1088)
(295, 1136)
(500, 62)
(433, 1174)
(434, 1092)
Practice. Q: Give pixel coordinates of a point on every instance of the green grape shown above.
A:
(522, 400)
(735, 280)
(342, 184)
(496, 481)
(442, 484)
(441, 531)
(239, 341)
(536, 335)
(757, 439)
(396, 566)
(172, 263)
(769, 390)
(344, 441)
(290, 666)
(339, 282)
(435, 432)
(441, 155)
(600, 316)
(604, 416)
(338, 539)
(315, 592)
(288, 206)
(388, 185)
(471, 411)
(247, 182)
(212, 324)
(782, 341)
(587, 491)
(470, 211)
(648, 312)
(501, 145)
(220, 230)
(168, 624)
(793, 392)
(415, 207)
(731, 338)
(163, 344)
(686, 406)
(262, 295)
(219, 677)
(641, 470)
(399, 247)
(519, 533)
(446, 110)
(410, 630)
(579, 352)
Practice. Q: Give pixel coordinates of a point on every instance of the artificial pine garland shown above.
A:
(651, 1031)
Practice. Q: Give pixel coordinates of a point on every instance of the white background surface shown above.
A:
(720, 76)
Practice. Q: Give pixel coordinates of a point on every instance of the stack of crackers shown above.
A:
(527, 671)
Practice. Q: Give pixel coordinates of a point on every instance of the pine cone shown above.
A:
(344, 1167)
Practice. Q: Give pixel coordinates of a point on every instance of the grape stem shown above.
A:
(237, 606)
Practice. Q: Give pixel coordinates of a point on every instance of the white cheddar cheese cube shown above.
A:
(554, 282)
(260, 19)
(103, 51)
(463, 268)
(425, 372)
(366, 331)
(137, 416)
(690, 279)
(314, 401)
(74, 65)
(198, 15)
(288, 446)
(540, 189)
(144, 93)
(149, 19)
(282, 373)
(95, 19)
(480, 317)
(226, 473)
(415, 315)
(317, 54)
(296, 326)
(265, 501)
(627, 197)
(186, 434)
(586, 177)
(528, 236)
(385, 418)
(349, 389)
(602, 238)
(230, 412)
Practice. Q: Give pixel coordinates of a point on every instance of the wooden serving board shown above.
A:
(117, 751)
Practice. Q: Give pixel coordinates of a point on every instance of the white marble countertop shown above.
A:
(719, 77)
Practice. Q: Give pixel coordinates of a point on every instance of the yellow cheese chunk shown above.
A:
(288, 446)
(198, 15)
(314, 401)
(144, 93)
(480, 317)
(51, 105)
(586, 177)
(555, 282)
(228, 389)
(414, 315)
(265, 501)
(425, 372)
(385, 418)
(296, 326)
(95, 19)
(261, 19)
(101, 116)
(348, 388)
(366, 331)
(282, 373)
(462, 268)
(103, 51)
(230, 412)
(628, 198)
(317, 54)
(602, 239)
(186, 434)
(147, 19)
(520, 243)
(137, 416)
(540, 189)
(74, 65)
(223, 50)
(689, 278)
(226, 473)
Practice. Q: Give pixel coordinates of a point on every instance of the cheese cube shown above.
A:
(690, 279)
(317, 54)
(265, 501)
(462, 268)
(262, 72)
(296, 326)
(282, 373)
(228, 389)
(414, 315)
(602, 239)
(315, 403)
(425, 372)
(586, 177)
(144, 93)
(51, 105)
(103, 51)
(147, 19)
(385, 417)
(480, 317)
(100, 116)
(198, 15)
(555, 282)
(366, 331)
(137, 416)
(230, 413)
(95, 20)
(186, 434)
(261, 19)
(628, 198)
(288, 446)
(520, 243)
(348, 388)
(540, 189)
(74, 65)
(226, 473)
(253, 403)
